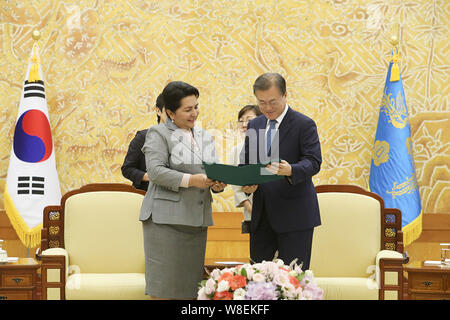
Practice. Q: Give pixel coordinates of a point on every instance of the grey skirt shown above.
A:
(174, 259)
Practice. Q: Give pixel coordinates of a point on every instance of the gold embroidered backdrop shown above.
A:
(106, 61)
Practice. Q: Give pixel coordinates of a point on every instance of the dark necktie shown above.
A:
(269, 139)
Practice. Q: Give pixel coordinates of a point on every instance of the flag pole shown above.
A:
(36, 35)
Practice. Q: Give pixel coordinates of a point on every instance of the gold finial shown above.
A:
(394, 40)
(395, 70)
(36, 35)
(34, 76)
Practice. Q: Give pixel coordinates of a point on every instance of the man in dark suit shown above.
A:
(133, 167)
(284, 211)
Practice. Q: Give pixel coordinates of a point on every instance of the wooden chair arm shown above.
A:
(392, 265)
(53, 262)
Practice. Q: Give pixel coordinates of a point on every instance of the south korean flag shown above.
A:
(32, 182)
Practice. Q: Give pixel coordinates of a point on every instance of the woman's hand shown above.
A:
(218, 186)
(200, 180)
(250, 189)
(247, 205)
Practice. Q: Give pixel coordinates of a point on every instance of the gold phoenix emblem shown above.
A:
(409, 186)
(395, 111)
(409, 145)
(380, 152)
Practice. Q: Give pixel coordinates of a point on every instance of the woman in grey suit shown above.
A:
(176, 210)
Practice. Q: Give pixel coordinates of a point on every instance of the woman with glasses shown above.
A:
(242, 200)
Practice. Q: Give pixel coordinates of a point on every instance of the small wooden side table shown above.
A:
(222, 263)
(428, 282)
(18, 279)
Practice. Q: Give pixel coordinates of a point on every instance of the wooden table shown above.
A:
(18, 279)
(211, 264)
(428, 282)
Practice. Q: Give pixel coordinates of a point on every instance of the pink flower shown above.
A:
(224, 295)
(261, 281)
(237, 282)
(294, 282)
(225, 276)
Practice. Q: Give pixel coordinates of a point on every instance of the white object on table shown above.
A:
(229, 262)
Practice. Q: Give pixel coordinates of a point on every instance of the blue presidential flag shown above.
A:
(392, 171)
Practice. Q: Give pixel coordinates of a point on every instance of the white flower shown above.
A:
(289, 291)
(293, 273)
(309, 274)
(210, 286)
(258, 277)
(223, 286)
(239, 294)
(201, 294)
(215, 274)
(250, 272)
(307, 295)
(279, 262)
(281, 279)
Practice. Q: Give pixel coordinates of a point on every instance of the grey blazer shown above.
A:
(169, 154)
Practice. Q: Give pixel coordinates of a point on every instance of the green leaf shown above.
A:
(243, 272)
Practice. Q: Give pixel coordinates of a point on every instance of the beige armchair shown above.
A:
(92, 245)
(358, 250)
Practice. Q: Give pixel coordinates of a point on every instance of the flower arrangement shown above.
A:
(269, 280)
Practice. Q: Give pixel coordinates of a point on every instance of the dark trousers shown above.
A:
(264, 242)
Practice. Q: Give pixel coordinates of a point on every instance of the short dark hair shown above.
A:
(159, 105)
(160, 102)
(249, 107)
(175, 91)
(267, 80)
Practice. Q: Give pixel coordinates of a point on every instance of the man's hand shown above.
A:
(282, 168)
(250, 189)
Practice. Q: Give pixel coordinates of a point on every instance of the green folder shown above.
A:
(240, 175)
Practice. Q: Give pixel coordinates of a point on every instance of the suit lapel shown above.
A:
(284, 126)
(198, 138)
(185, 139)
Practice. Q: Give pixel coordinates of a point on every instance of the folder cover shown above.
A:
(240, 175)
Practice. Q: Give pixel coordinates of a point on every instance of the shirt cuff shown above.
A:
(185, 181)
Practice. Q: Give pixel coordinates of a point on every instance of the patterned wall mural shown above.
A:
(105, 62)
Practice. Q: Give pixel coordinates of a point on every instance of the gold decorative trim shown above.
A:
(390, 233)
(53, 230)
(53, 244)
(54, 215)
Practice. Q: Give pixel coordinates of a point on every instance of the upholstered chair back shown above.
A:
(347, 242)
(102, 232)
